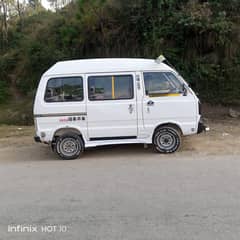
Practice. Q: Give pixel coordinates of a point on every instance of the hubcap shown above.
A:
(69, 146)
(167, 140)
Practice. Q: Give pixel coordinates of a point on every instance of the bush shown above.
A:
(4, 92)
(200, 38)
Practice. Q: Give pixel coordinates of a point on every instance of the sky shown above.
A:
(46, 4)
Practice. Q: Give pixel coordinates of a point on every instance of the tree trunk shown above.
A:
(4, 21)
(19, 13)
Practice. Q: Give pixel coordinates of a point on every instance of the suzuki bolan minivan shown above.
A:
(87, 103)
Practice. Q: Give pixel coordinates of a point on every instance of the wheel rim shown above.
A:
(69, 146)
(166, 141)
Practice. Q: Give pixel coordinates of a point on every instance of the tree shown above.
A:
(4, 23)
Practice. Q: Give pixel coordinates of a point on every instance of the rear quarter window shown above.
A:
(64, 89)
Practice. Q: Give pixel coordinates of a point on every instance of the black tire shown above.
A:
(69, 146)
(167, 139)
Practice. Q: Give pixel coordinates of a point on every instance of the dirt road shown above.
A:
(16, 143)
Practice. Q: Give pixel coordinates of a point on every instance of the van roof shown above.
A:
(102, 65)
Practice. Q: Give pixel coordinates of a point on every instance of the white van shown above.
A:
(87, 103)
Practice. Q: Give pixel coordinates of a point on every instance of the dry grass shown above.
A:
(9, 131)
(16, 112)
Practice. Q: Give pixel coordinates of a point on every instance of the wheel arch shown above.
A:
(63, 130)
(169, 124)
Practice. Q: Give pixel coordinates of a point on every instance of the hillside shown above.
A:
(200, 38)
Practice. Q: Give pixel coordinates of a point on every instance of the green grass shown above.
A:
(16, 113)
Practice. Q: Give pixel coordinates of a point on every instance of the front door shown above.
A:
(164, 101)
(111, 106)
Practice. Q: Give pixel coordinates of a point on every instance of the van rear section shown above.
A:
(87, 103)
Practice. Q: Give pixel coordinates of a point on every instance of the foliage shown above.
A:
(3, 92)
(201, 38)
(5, 66)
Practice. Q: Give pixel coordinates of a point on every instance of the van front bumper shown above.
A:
(202, 127)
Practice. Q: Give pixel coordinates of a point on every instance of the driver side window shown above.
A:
(161, 83)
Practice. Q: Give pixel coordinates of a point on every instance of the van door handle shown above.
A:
(130, 108)
(150, 103)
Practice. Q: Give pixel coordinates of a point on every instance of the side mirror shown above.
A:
(184, 89)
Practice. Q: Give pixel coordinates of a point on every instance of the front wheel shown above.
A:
(167, 139)
(69, 146)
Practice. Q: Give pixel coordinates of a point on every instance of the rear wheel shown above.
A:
(167, 139)
(69, 146)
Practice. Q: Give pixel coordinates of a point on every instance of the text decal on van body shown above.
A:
(71, 119)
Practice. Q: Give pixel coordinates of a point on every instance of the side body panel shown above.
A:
(49, 117)
(111, 119)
